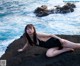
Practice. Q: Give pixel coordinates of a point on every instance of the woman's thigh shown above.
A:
(67, 44)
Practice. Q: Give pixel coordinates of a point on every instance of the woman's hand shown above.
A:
(20, 50)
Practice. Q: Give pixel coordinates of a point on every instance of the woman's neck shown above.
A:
(31, 36)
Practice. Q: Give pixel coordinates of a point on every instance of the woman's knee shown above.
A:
(63, 42)
(49, 52)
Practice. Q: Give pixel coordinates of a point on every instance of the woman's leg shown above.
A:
(69, 44)
(54, 51)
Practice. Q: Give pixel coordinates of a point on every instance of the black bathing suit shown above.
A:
(52, 42)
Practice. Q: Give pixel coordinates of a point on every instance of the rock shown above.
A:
(66, 59)
(35, 56)
(44, 11)
(71, 5)
(41, 11)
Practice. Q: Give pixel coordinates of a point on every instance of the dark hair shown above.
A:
(34, 34)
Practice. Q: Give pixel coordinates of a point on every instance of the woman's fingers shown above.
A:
(20, 50)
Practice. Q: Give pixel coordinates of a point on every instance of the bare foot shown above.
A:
(68, 49)
(72, 50)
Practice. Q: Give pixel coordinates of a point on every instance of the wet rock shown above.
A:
(44, 11)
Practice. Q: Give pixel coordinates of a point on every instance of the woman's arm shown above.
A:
(47, 35)
(43, 35)
(23, 48)
(56, 36)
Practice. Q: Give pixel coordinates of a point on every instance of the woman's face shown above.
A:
(29, 30)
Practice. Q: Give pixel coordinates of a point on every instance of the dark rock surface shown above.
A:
(44, 11)
(35, 56)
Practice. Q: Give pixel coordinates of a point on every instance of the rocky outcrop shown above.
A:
(44, 11)
(35, 56)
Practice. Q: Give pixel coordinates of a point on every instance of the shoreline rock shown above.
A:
(35, 56)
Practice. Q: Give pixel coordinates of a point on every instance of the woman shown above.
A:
(55, 44)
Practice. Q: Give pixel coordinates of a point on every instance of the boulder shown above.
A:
(44, 11)
(35, 56)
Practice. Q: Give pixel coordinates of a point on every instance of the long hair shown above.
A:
(34, 34)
